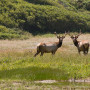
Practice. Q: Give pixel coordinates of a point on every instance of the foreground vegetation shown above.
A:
(64, 66)
(17, 61)
(19, 69)
(61, 67)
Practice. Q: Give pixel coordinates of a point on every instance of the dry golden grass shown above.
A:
(30, 44)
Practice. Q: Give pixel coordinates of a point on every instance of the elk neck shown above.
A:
(59, 44)
(76, 43)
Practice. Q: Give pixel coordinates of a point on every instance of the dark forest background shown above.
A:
(18, 18)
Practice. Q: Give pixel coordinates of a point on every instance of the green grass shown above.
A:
(62, 66)
(20, 70)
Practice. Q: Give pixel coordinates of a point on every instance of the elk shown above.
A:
(81, 45)
(50, 47)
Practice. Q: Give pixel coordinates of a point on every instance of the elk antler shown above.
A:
(55, 33)
(59, 35)
(65, 33)
(69, 34)
(78, 34)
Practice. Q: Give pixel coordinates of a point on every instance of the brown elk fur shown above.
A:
(49, 47)
(81, 45)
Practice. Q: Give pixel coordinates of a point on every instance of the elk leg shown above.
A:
(53, 53)
(36, 53)
(87, 49)
(41, 54)
(78, 51)
(84, 52)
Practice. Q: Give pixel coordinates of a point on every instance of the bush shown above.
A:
(8, 36)
(3, 29)
(41, 16)
(87, 5)
(14, 33)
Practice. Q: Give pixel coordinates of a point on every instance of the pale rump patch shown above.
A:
(40, 44)
(83, 43)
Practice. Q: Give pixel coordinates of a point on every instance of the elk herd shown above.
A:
(53, 46)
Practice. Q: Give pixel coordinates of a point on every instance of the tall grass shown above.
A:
(62, 66)
(17, 61)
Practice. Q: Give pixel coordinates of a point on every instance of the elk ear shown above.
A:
(76, 37)
(57, 36)
(55, 33)
(63, 37)
(72, 36)
(79, 34)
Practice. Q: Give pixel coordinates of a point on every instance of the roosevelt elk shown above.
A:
(81, 45)
(49, 47)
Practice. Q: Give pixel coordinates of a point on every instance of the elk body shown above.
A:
(49, 47)
(81, 45)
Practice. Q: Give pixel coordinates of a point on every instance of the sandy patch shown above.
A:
(70, 80)
(46, 81)
(80, 80)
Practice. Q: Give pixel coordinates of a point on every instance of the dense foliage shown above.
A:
(38, 16)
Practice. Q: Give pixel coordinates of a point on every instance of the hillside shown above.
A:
(18, 17)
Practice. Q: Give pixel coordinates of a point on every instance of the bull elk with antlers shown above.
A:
(50, 47)
(81, 45)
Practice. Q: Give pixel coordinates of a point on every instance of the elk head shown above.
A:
(60, 37)
(74, 37)
(81, 45)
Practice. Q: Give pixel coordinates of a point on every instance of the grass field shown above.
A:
(18, 64)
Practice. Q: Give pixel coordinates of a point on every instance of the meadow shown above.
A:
(24, 24)
(17, 63)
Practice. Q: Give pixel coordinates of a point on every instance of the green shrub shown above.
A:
(13, 33)
(3, 29)
(8, 36)
(41, 16)
(87, 5)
